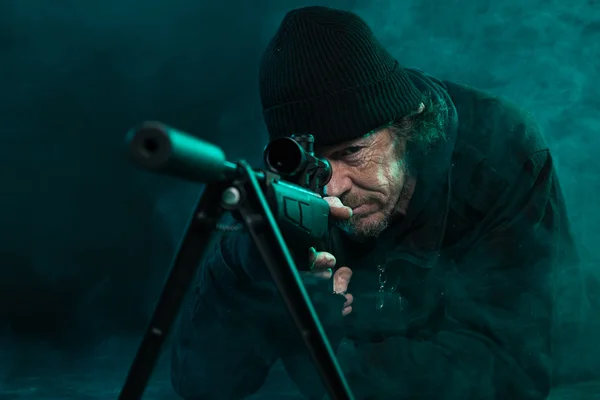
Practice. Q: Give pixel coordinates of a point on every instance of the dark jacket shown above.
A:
(468, 294)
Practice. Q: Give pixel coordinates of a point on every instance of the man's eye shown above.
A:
(350, 150)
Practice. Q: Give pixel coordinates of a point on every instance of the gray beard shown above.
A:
(370, 231)
(375, 229)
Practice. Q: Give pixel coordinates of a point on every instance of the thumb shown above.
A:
(341, 279)
(337, 209)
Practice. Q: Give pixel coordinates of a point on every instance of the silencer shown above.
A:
(161, 149)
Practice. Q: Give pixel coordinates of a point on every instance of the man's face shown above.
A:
(368, 176)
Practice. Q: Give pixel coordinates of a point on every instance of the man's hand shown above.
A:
(323, 263)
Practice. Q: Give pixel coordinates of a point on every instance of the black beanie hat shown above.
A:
(326, 74)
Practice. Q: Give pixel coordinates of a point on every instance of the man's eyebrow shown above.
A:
(360, 141)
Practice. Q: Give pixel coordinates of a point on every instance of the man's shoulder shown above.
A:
(499, 130)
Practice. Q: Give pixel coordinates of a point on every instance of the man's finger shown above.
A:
(337, 210)
(349, 299)
(323, 260)
(341, 279)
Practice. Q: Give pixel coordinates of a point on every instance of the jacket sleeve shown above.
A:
(221, 349)
(494, 341)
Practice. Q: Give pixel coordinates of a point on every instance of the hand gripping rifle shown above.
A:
(272, 210)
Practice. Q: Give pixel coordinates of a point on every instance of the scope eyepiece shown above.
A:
(284, 156)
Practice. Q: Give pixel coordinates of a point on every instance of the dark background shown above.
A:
(87, 238)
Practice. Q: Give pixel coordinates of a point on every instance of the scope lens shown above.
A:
(284, 156)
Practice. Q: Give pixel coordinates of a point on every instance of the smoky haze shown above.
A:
(87, 238)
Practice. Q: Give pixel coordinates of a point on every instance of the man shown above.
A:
(450, 226)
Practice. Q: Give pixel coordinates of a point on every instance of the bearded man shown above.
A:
(450, 225)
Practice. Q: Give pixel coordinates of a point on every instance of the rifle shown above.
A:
(279, 205)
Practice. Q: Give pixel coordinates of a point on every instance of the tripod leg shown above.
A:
(184, 266)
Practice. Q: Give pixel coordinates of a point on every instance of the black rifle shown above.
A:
(270, 209)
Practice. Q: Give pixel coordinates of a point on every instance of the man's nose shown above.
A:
(339, 184)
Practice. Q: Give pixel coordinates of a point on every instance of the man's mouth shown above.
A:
(364, 209)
